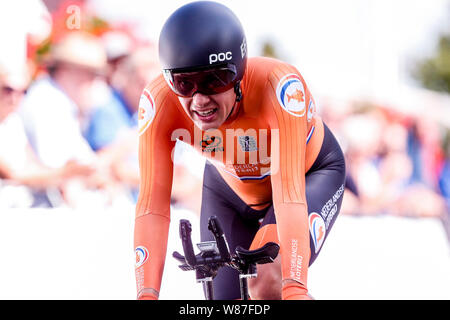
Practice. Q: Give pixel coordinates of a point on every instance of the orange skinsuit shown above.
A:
(276, 108)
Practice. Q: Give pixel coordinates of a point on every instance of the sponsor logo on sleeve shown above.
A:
(317, 230)
(291, 95)
(141, 255)
(296, 262)
(330, 208)
(146, 111)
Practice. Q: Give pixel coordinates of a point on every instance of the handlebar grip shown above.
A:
(217, 231)
(185, 235)
(214, 227)
(185, 229)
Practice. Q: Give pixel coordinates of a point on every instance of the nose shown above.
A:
(200, 99)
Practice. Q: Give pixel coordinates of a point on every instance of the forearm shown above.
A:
(150, 240)
(294, 239)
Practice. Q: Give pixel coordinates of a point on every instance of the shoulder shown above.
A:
(159, 91)
(264, 76)
(264, 68)
(280, 85)
(157, 102)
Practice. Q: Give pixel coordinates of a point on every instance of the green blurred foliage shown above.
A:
(434, 73)
(269, 50)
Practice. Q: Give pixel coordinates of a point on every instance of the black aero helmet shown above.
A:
(203, 35)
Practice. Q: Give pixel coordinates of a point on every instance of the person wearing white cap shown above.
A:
(56, 104)
(24, 181)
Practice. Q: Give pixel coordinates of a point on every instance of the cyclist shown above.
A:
(275, 172)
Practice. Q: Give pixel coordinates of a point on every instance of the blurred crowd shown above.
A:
(68, 123)
(397, 163)
(68, 115)
(69, 98)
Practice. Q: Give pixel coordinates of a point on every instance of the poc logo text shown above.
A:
(222, 56)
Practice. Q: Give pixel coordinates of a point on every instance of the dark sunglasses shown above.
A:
(7, 90)
(208, 82)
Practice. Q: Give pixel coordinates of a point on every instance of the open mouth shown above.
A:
(206, 115)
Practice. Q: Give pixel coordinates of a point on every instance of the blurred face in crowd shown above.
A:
(78, 82)
(139, 68)
(140, 77)
(77, 59)
(11, 95)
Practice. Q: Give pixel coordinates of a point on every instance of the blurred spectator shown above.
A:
(387, 159)
(119, 113)
(24, 180)
(58, 105)
(425, 150)
(444, 175)
(118, 45)
(112, 130)
(362, 134)
(334, 114)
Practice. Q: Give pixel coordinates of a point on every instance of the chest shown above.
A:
(242, 150)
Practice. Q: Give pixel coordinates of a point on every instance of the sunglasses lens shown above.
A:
(185, 86)
(208, 82)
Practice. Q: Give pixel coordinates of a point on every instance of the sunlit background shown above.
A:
(380, 75)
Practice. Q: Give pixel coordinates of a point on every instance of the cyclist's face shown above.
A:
(209, 111)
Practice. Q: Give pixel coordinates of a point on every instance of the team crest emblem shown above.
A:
(317, 230)
(146, 111)
(141, 255)
(291, 95)
(247, 143)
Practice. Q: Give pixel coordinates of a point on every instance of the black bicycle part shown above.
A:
(222, 245)
(185, 235)
(216, 254)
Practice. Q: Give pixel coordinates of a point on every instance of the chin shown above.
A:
(206, 126)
